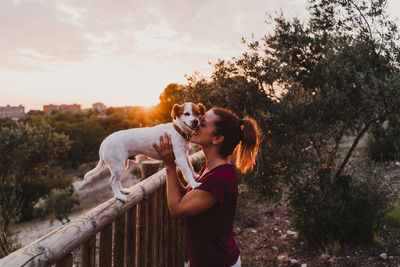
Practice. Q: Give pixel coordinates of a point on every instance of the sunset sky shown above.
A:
(121, 52)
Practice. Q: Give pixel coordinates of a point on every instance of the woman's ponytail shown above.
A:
(246, 152)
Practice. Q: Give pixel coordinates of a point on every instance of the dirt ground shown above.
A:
(266, 238)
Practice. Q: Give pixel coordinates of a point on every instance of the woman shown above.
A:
(210, 208)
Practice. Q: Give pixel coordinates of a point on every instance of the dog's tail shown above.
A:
(95, 170)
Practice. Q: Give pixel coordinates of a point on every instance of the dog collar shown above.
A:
(182, 133)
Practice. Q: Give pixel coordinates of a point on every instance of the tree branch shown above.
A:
(362, 15)
(354, 145)
(337, 142)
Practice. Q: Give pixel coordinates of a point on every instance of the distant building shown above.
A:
(47, 109)
(62, 108)
(70, 108)
(14, 113)
(99, 106)
(129, 108)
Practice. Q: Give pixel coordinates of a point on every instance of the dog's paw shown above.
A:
(121, 198)
(195, 185)
(125, 191)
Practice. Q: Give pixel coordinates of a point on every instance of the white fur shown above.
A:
(119, 146)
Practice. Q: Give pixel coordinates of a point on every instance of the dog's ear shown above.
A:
(202, 109)
(176, 111)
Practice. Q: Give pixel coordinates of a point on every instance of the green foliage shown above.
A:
(244, 97)
(383, 143)
(136, 171)
(59, 203)
(86, 130)
(198, 164)
(171, 95)
(325, 210)
(7, 242)
(6, 122)
(309, 84)
(27, 155)
(393, 217)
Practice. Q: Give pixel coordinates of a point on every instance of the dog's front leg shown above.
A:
(194, 173)
(182, 162)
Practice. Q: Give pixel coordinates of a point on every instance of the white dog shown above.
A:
(119, 146)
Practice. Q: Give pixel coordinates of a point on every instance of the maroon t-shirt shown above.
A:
(209, 235)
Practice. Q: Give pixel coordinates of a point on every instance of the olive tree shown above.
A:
(26, 154)
(309, 84)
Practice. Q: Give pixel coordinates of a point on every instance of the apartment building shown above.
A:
(14, 113)
(99, 106)
(47, 109)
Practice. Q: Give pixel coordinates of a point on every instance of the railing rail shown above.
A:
(138, 232)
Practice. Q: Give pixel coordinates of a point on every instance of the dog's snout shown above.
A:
(195, 122)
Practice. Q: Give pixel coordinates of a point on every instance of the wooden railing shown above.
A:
(139, 232)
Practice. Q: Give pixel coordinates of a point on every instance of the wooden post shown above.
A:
(88, 255)
(161, 244)
(119, 240)
(149, 231)
(149, 167)
(182, 249)
(140, 234)
(156, 228)
(166, 233)
(143, 243)
(130, 237)
(105, 253)
(171, 241)
(66, 261)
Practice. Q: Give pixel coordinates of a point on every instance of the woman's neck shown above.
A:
(213, 158)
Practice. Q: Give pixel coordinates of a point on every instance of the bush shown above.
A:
(59, 204)
(326, 210)
(393, 217)
(383, 143)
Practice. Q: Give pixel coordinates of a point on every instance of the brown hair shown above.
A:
(241, 138)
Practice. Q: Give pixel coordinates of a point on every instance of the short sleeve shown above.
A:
(214, 185)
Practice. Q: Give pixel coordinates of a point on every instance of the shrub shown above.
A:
(326, 210)
(383, 143)
(393, 217)
(59, 204)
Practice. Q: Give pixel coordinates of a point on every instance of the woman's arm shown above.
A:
(182, 188)
(192, 203)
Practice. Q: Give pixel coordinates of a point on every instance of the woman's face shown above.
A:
(204, 134)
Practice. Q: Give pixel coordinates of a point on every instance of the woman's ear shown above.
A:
(218, 139)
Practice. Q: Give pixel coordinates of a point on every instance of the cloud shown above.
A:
(39, 34)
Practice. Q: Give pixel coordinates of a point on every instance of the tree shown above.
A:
(59, 203)
(27, 153)
(231, 89)
(172, 94)
(340, 76)
(309, 85)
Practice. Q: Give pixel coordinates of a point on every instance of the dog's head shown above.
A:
(187, 115)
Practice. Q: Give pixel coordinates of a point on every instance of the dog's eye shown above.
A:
(186, 113)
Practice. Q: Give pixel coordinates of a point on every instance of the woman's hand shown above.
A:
(165, 150)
